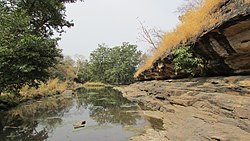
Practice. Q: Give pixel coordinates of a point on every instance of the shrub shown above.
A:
(186, 62)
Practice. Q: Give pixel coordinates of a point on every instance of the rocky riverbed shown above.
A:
(215, 108)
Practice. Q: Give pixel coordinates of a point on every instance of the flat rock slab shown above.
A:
(216, 108)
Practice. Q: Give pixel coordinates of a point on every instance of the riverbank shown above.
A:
(108, 115)
(10, 101)
(51, 88)
(216, 108)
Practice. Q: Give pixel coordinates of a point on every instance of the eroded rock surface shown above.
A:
(198, 109)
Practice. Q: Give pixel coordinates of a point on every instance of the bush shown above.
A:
(52, 87)
(186, 62)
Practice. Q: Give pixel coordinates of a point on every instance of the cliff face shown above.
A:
(225, 48)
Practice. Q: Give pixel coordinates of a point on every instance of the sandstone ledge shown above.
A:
(224, 48)
(216, 108)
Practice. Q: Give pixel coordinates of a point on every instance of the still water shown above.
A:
(108, 116)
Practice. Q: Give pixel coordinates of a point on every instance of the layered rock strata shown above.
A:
(225, 48)
(199, 109)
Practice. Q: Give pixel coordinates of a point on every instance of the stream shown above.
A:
(108, 116)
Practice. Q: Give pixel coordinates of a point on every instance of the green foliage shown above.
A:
(27, 49)
(46, 16)
(112, 65)
(25, 55)
(123, 62)
(84, 74)
(64, 70)
(186, 62)
(99, 63)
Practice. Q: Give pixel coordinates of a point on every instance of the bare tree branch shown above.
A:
(189, 5)
(80, 59)
(151, 36)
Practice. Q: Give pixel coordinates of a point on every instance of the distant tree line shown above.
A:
(115, 65)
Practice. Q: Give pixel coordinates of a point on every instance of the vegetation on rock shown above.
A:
(193, 23)
(185, 62)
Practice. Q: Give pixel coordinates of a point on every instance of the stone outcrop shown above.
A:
(225, 47)
(199, 109)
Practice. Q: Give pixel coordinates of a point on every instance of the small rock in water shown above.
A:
(214, 82)
(80, 124)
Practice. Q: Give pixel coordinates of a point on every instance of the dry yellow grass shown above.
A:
(247, 1)
(52, 86)
(193, 23)
(94, 85)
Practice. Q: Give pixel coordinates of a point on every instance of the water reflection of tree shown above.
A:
(21, 123)
(105, 106)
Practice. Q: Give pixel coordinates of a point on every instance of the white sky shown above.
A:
(113, 22)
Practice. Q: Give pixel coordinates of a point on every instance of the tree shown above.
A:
(27, 48)
(80, 62)
(99, 62)
(24, 56)
(151, 36)
(64, 70)
(85, 74)
(124, 60)
(115, 65)
(46, 16)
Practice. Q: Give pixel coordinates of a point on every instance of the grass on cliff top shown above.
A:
(193, 23)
